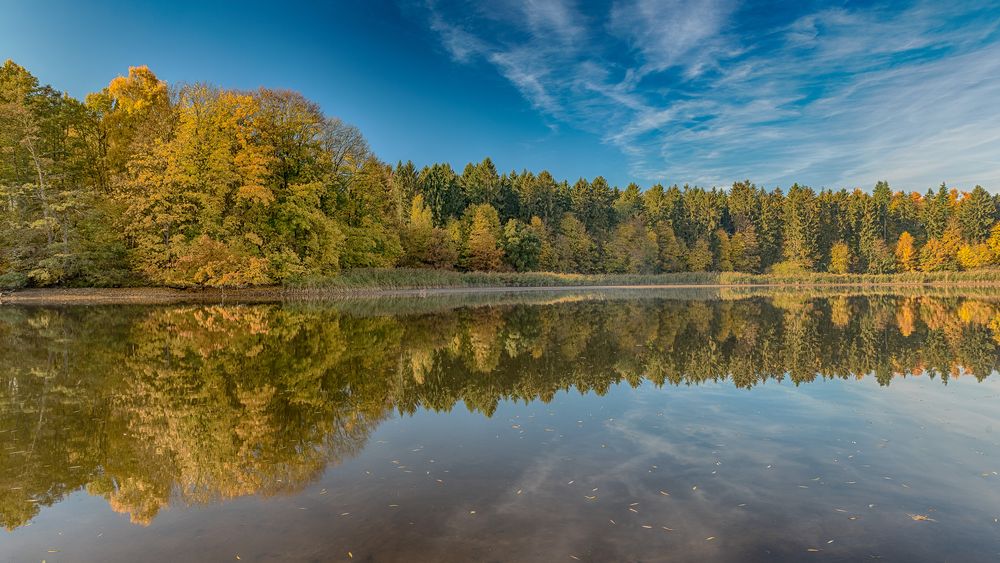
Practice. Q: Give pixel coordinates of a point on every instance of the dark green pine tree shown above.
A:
(442, 193)
(937, 211)
(801, 236)
(976, 215)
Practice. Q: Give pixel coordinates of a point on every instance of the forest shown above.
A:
(193, 185)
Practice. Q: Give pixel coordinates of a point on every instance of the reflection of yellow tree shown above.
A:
(906, 317)
(840, 311)
(975, 312)
(484, 340)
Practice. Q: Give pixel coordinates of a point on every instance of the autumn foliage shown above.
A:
(194, 185)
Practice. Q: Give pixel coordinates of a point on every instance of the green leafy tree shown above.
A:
(522, 247)
(574, 249)
(547, 260)
(744, 251)
(424, 244)
(699, 257)
(880, 259)
(671, 253)
(632, 249)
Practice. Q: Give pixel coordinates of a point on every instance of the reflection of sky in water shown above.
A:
(838, 466)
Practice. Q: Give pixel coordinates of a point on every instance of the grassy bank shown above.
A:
(400, 278)
(404, 278)
(427, 283)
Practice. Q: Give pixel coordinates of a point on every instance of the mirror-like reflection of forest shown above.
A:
(195, 404)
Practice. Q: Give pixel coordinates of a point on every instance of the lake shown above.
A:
(558, 426)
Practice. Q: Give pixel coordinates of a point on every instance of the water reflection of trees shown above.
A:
(147, 406)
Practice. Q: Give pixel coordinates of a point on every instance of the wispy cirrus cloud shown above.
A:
(710, 91)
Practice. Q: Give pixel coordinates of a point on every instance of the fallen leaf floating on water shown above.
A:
(710, 538)
(921, 518)
(665, 493)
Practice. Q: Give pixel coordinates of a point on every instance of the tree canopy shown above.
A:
(195, 185)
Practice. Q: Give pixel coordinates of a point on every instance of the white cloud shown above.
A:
(834, 98)
(669, 33)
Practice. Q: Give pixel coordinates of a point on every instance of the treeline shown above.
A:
(200, 186)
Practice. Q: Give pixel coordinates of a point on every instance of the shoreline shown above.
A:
(277, 294)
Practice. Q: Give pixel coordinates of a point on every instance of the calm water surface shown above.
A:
(558, 427)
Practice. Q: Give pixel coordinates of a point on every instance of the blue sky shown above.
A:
(830, 94)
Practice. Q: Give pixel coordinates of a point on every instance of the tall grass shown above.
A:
(972, 277)
(404, 279)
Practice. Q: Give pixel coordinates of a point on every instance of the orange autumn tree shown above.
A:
(906, 254)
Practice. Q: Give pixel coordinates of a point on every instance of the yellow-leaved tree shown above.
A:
(973, 256)
(906, 253)
(483, 245)
(994, 243)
